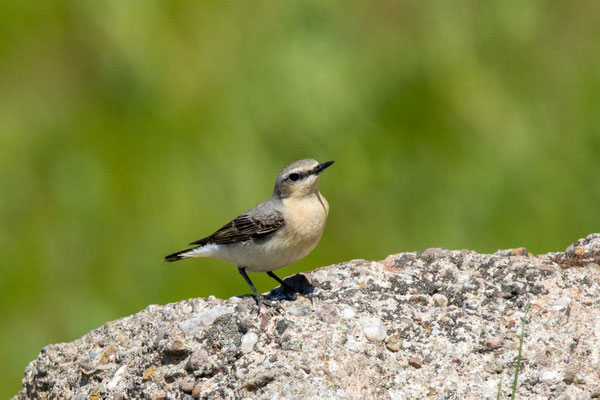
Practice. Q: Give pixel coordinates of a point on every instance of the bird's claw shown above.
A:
(260, 301)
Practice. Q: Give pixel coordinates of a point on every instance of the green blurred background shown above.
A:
(130, 128)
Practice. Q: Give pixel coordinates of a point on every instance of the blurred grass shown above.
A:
(128, 129)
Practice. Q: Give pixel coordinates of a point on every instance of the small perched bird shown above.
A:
(277, 232)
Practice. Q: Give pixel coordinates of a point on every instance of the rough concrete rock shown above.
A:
(451, 321)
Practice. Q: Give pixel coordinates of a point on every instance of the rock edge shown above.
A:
(438, 324)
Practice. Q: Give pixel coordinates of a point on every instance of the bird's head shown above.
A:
(300, 178)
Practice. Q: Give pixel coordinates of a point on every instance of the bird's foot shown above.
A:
(260, 301)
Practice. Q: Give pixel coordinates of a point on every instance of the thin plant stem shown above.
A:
(515, 381)
(499, 396)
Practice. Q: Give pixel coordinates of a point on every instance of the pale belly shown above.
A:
(293, 242)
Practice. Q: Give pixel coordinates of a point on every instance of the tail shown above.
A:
(180, 255)
(204, 250)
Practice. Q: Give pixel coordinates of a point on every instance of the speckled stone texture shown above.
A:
(436, 324)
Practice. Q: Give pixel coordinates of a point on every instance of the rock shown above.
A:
(394, 342)
(492, 367)
(454, 318)
(415, 362)
(257, 382)
(561, 304)
(549, 376)
(297, 310)
(440, 300)
(543, 360)
(521, 251)
(117, 378)
(494, 342)
(197, 360)
(248, 342)
(328, 313)
(187, 387)
(282, 326)
(203, 319)
(196, 390)
(373, 329)
(571, 373)
(348, 313)
(174, 349)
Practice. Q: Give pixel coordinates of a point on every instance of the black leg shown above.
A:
(242, 271)
(282, 283)
(257, 296)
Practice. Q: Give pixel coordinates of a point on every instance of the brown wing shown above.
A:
(246, 227)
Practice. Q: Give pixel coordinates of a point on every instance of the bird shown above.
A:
(277, 232)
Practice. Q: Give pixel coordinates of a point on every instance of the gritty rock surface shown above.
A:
(373, 329)
(248, 342)
(436, 324)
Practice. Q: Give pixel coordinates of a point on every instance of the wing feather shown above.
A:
(246, 227)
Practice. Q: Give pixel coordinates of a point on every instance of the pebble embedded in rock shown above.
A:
(492, 367)
(549, 376)
(521, 251)
(494, 342)
(197, 389)
(186, 386)
(187, 308)
(203, 319)
(196, 360)
(117, 378)
(373, 329)
(328, 313)
(297, 310)
(259, 381)
(440, 299)
(248, 342)
(415, 362)
(245, 306)
(175, 349)
(241, 373)
(348, 313)
(561, 304)
(282, 325)
(394, 342)
(542, 360)
(570, 374)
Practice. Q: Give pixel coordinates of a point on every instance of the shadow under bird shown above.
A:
(277, 232)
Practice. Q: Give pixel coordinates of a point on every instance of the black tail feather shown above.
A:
(176, 256)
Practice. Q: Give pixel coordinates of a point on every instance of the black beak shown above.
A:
(322, 166)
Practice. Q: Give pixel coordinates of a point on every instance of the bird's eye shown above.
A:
(294, 177)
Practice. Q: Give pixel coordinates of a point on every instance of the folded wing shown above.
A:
(246, 227)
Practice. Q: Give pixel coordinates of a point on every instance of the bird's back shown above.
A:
(304, 223)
